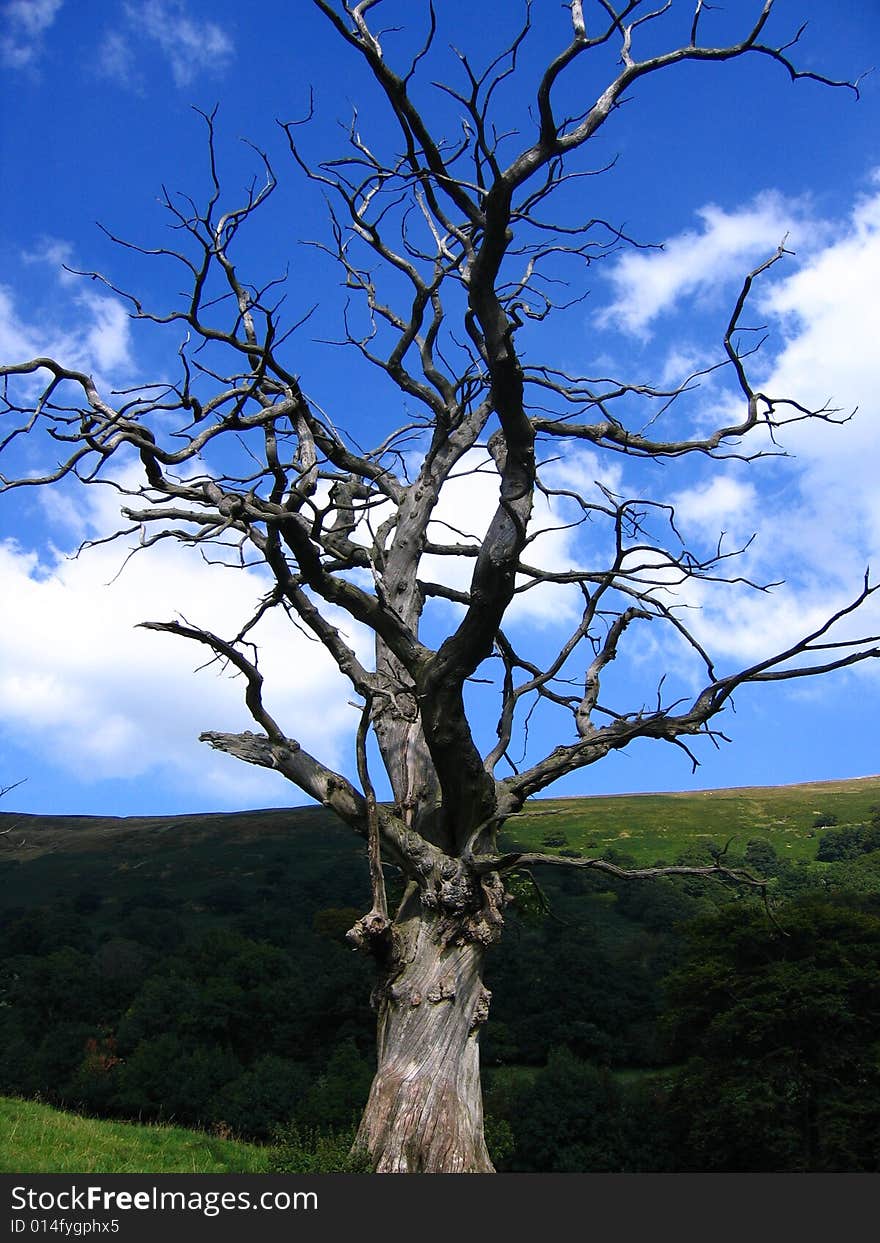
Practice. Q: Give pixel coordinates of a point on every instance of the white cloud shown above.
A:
(816, 513)
(91, 331)
(26, 22)
(16, 339)
(56, 254)
(107, 339)
(81, 686)
(830, 317)
(116, 59)
(191, 46)
(828, 312)
(721, 503)
(468, 504)
(646, 283)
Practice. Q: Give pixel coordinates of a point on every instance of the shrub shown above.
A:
(568, 1119)
(761, 857)
(849, 842)
(299, 1151)
(262, 1098)
(824, 820)
(499, 1140)
(340, 1092)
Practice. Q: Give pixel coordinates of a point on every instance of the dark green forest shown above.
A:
(196, 971)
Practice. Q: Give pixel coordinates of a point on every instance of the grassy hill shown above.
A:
(190, 859)
(655, 826)
(40, 1140)
(29, 836)
(646, 826)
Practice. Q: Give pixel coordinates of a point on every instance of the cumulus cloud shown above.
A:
(26, 22)
(107, 337)
(92, 332)
(723, 503)
(99, 698)
(468, 504)
(816, 513)
(699, 261)
(829, 315)
(190, 45)
(17, 339)
(79, 684)
(819, 528)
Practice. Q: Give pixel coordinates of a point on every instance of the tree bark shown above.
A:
(425, 1113)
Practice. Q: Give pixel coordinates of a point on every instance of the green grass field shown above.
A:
(40, 1140)
(661, 826)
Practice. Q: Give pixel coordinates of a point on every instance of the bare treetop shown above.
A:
(457, 250)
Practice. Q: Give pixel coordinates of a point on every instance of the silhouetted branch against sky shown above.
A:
(684, 251)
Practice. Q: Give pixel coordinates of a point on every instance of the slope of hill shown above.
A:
(646, 826)
(38, 1139)
(655, 826)
(193, 969)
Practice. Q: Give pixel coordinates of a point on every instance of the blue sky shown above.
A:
(716, 163)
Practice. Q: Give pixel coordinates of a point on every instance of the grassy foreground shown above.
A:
(40, 1140)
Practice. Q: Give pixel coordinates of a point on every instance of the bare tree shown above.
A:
(5, 834)
(450, 250)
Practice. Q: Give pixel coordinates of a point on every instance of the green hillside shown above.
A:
(646, 826)
(40, 1140)
(661, 826)
(193, 971)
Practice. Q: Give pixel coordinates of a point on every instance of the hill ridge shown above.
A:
(314, 809)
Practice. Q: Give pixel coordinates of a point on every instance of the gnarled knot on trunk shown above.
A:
(470, 906)
(457, 890)
(420, 857)
(372, 934)
(481, 1009)
(486, 924)
(442, 991)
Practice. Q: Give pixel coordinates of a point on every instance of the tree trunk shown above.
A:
(425, 1109)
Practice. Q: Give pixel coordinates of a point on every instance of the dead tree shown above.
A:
(449, 249)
